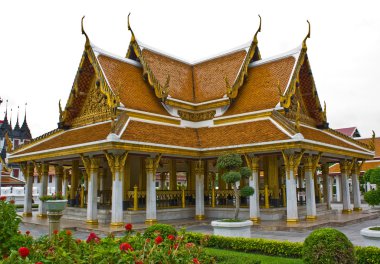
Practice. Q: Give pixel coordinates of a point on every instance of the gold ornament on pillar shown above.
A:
(116, 163)
(38, 169)
(199, 167)
(252, 163)
(292, 161)
(311, 162)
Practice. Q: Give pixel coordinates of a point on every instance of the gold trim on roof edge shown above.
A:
(232, 91)
(161, 91)
(113, 100)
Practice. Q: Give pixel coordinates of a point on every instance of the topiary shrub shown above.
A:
(231, 163)
(159, 229)
(328, 245)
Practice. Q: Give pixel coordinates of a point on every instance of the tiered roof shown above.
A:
(161, 104)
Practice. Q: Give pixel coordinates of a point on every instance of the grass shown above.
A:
(234, 257)
(376, 228)
(230, 220)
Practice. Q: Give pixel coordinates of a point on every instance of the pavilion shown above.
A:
(131, 120)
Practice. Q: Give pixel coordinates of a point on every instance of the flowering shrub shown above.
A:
(55, 196)
(63, 248)
(9, 222)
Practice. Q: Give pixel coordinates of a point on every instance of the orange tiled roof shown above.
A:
(72, 137)
(8, 180)
(198, 83)
(319, 136)
(377, 145)
(127, 82)
(335, 169)
(229, 135)
(260, 90)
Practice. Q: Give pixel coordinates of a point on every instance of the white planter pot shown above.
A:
(55, 205)
(371, 237)
(232, 229)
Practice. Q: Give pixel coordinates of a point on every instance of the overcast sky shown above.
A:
(41, 45)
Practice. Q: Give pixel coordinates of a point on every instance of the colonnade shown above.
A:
(198, 172)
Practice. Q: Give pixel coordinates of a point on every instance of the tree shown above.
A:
(373, 176)
(231, 164)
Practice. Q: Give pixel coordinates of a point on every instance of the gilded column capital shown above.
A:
(38, 167)
(311, 162)
(346, 166)
(357, 167)
(116, 163)
(199, 167)
(151, 165)
(90, 165)
(292, 161)
(252, 163)
(58, 170)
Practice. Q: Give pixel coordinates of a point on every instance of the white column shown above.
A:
(356, 187)
(58, 179)
(151, 215)
(64, 184)
(117, 200)
(292, 162)
(311, 209)
(92, 191)
(338, 188)
(329, 191)
(199, 191)
(43, 189)
(28, 172)
(344, 169)
(254, 202)
(116, 164)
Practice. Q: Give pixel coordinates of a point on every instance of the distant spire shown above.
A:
(6, 111)
(25, 132)
(18, 113)
(10, 119)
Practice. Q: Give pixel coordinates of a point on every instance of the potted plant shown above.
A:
(231, 165)
(371, 235)
(55, 202)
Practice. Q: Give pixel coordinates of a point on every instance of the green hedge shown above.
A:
(364, 255)
(370, 255)
(256, 245)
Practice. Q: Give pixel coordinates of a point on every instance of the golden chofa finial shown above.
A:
(372, 142)
(60, 111)
(133, 39)
(257, 32)
(84, 33)
(307, 36)
(324, 110)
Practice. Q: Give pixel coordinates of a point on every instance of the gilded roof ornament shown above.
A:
(9, 143)
(161, 91)
(232, 91)
(324, 111)
(60, 111)
(298, 117)
(372, 142)
(307, 36)
(84, 33)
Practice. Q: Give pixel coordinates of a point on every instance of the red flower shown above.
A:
(55, 232)
(138, 262)
(68, 232)
(176, 246)
(39, 262)
(27, 232)
(23, 251)
(126, 247)
(196, 261)
(147, 240)
(12, 201)
(128, 227)
(171, 237)
(78, 240)
(3, 198)
(91, 237)
(189, 245)
(97, 240)
(158, 240)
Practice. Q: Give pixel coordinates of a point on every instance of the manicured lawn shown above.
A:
(234, 257)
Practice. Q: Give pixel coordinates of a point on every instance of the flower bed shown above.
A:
(131, 248)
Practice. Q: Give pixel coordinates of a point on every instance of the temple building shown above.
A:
(11, 138)
(143, 132)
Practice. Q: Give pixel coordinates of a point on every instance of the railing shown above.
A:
(164, 199)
